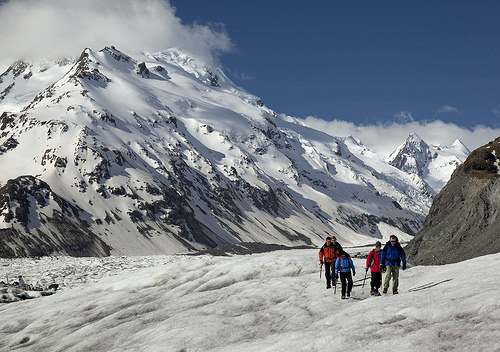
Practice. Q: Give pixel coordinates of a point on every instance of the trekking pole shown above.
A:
(320, 269)
(366, 273)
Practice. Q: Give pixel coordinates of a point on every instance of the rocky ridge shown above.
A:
(464, 219)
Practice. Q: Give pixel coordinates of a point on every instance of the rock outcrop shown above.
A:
(464, 219)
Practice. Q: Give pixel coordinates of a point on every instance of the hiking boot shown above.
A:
(378, 294)
(395, 292)
(385, 290)
(343, 297)
(373, 292)
(348, 294)
(328, 286)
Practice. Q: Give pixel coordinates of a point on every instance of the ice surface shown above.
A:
(262, 302)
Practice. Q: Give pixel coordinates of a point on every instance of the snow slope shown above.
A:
(262, 302)
(446, 161)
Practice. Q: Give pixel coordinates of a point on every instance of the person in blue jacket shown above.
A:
(390, 260)
(343, 266)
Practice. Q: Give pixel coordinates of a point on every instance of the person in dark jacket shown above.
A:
(327, 255)
(390, 260)
(343, 266)
(373, 263)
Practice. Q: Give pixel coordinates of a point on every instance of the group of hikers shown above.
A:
(380, 260)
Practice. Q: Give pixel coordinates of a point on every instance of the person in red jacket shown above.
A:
(327, 255)
(373, 262)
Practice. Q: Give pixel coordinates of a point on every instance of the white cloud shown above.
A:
(496, 111)
(55, 28)
(448, 109)
(240, 76)
(385, 138)
(404, 116)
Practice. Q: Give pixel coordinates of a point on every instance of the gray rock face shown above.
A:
(464, 219)
(63, 232)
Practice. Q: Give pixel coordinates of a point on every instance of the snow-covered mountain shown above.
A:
(433, 163)
(22, 81)
(160, 152)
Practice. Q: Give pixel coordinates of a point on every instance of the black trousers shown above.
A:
(328, 272)
(346, 279)
(376, 280)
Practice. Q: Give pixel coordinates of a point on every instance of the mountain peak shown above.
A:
(209, 74)
(415, 141)
(115, 54)
(434, 164)
(458, 145)
(413, 137)
(412, 155)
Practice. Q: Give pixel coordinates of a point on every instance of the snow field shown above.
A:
(262, 302)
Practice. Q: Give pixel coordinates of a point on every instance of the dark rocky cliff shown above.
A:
(464, 220)
(63, 232)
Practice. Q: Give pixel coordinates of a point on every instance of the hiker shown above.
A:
(390, 260)
(327, 255)
(343, 266)
(373, 263)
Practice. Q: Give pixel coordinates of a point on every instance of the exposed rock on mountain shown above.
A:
(60, 229)
(464, 220)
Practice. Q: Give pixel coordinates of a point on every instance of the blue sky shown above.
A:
(363, 61)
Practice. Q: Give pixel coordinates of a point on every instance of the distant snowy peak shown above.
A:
(412, 156)
(23, 80)
(458, 146)
(354, 142)
(433, 163)
(208, 74)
